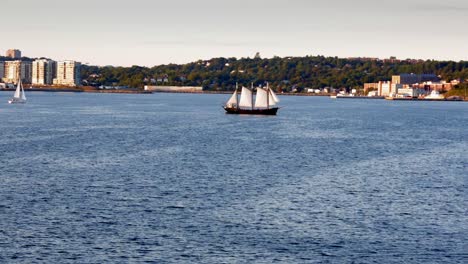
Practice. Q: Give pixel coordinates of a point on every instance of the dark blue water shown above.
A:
(169, 178)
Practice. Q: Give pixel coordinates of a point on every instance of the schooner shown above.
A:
(265, 102)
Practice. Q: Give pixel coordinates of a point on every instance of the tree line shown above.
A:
(282, 73)
(285, 74)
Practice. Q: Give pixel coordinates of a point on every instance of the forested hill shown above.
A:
(281, 73)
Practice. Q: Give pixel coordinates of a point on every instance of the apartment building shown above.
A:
(17, 69)
(68, 73)
(2, 70)
(43, 72)
(13, 53)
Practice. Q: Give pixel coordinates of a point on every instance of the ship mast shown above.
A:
(251, 85)
(268, 96)
(237, 98)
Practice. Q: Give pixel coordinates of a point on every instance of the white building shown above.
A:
(388, 88)
(43, 71)
(410, 92)
(68, 73)
(17, 69)
(12, 69)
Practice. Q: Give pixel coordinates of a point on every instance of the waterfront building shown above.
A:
(17, 69)
(388, 88)
(43, 72)
(408, 91)
(370, 86)
(411, 78)
(2, 70)
(408, 81)
(441, 86)
(13, 53)
(11, 74)
(68, 73)
(26, 71)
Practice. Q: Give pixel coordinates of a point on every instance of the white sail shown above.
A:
(271, 100)
(23, 95)
(232, 102)
(261, 100)
(274, 97)
(18, 91)
(246, 98)
(19, 96)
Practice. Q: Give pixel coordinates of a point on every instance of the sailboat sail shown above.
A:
(233, 100)
(23, 95)
(261, 100)
(18, 91)
(274, 97)
(246, 98)
(19, 96)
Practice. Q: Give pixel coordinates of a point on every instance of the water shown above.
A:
(169, 178)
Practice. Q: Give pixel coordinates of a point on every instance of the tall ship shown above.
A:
(19, 97)
(264, 102)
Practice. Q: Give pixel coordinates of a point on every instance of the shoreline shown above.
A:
(76, 90)
(88, 89)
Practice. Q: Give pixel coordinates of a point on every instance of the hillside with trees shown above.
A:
(282, 73)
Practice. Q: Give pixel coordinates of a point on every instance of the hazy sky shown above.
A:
(153, 32)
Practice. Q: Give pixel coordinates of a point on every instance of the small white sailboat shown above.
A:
(19, 97)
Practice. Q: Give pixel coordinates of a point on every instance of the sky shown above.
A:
(155, 32)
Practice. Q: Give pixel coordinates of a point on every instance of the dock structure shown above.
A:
(174, 89)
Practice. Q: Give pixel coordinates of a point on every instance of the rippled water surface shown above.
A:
(169, 178)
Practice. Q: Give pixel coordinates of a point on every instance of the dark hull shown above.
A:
(270, 111)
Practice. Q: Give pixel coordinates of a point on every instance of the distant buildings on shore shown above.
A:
(68, 73)
(14, 70)
(409, 85)
(43, 71)
(39, 71)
